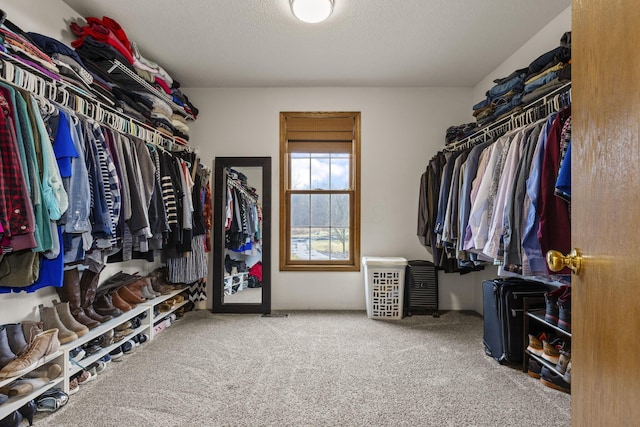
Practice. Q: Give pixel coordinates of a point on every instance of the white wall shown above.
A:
(402, 128)
(51, 18)
(546, 39)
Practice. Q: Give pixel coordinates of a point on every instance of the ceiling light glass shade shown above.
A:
(312, 11)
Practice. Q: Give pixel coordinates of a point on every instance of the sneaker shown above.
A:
(106, 358)
(563, 361)
(77, 354)
(97, 367)
(534, 368)
(551, 349)
(553, 380)
(564, 309)
(84, 377)
(127, 347)
(116, 353)
(551, 304)
(535, 343)
(73, 386)
(567, 374)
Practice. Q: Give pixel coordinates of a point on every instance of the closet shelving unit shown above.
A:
(69, 368)
(529, 113)
(15, 403)
(144, 85)
(83, 103)
(537, 315)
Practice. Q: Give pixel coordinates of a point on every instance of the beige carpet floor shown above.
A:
(313, 369)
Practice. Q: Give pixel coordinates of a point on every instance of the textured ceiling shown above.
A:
(258, 43)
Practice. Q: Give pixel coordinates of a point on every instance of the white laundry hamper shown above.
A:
(384, 286)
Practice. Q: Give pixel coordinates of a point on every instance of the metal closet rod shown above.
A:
(516, 119)
(28, 78)
(236, 184)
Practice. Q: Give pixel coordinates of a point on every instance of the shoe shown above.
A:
(123, 326)
(551, 349)
(53, 399)
(50, 371)
(135, 323)
(6, 355)
(116, 353)
(16, 338)
(97, 367)
(567, 374)
(51, 320)
(563, 361)
(534, 368)
(3, 398)
(127, 347)
(91, 349)
(42, 345)
(77, 354)
(64, 313)
(28, 410)
(551, 304)
(553, 380)
(12, 420)
(73, 386)
(84, 377)
(106, 358)
(564, 308)
(535, 343)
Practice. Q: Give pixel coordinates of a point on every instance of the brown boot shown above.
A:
(70, 292)
(88, 288)
(51, 320)
(64, 313)
(104, 305)
(42, 345)
(129, 296)
(118, 302)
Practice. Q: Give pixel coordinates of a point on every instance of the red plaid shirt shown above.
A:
(13, 195)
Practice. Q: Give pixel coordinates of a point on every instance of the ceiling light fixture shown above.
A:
(311, 11)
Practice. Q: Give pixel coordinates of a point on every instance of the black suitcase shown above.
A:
(421, 288)
(503, 335)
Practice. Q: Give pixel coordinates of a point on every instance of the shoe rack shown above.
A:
(146, 326)
(537, 315)
(69, 368)
(17, 402)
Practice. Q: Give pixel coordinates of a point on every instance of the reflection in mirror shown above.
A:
(242, 235)
(243, 238)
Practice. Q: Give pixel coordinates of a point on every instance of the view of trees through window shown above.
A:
(320, 206)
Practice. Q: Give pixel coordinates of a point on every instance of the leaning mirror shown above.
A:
(242, 231)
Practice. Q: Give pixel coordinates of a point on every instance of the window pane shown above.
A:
(300, 243)
(320, 243)
(300, 173)
(300, 214)
(320, 210)
(340, 210)
(320, 173)
(339, 173)
(340, 243)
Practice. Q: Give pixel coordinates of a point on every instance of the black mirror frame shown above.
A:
(218, 252)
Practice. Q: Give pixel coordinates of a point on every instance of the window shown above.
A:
(319, 191)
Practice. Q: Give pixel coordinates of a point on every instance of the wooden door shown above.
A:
(606, 212)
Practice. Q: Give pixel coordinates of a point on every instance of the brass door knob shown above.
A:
(556, 261)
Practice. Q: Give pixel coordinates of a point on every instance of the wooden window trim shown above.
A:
(354, 221)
